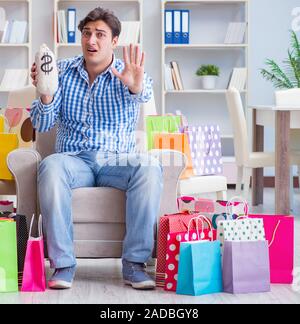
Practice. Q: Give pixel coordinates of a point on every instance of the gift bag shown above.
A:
(168, 224)
(199, 270)
(19, 122)
(206, 150)
(214, 210)
(246, 267)
(8, 143)
(22, 236)
(173, 246)
(8, 256)
(178, 142)
(241, 228)
(279, 231)
(161, 124)
(6, 206)
(34, 278)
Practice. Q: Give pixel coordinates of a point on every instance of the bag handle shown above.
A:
(201, 218)
(274, 233)
(230, 204)
(40, 226)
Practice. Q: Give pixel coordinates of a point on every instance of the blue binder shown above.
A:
(71, 25)
(168, 26)
(185, 26)
(177, 26)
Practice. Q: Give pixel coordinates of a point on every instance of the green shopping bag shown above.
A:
(8, 257)
(161, 124)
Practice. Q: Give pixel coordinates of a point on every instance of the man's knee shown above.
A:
(52, 166)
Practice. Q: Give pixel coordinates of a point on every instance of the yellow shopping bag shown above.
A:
(8, 143)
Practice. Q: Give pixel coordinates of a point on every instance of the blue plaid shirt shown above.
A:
(100, 118)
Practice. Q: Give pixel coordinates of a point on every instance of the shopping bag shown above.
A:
(161, 124)
(8, 256)
(8, 143)
(279, 231)
(178, 142)
(6, 206)
(22, 236)
(19, 122)
(246, 267)
(173, 247)
(206, 149)
(214, 210)
(199, 269)
(34, 278)
(241, 228)
(168, 224)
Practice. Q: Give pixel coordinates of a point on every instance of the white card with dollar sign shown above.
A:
(47, 79)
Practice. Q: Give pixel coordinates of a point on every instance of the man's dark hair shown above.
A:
(105, 15)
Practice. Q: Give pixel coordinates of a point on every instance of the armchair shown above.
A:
(98, 213)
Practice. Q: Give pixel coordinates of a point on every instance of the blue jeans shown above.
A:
(139, 175)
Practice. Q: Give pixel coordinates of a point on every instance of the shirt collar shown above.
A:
(79, 64)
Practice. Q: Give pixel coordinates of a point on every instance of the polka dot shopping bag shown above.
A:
(173, 247)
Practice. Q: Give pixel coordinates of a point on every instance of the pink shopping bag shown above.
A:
(280, 235)
(34, 278)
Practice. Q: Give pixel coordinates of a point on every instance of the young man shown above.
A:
(96, 108)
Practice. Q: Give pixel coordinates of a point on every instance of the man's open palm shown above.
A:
(133, 74)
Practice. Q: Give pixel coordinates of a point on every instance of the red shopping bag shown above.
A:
(279, 231)
(34, 278)
(173, 248)
(168, 224)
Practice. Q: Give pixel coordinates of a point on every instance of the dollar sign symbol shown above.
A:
(46, 65)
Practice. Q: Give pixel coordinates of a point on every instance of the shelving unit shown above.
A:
(209, 20)
(125, 10)
(16, 56)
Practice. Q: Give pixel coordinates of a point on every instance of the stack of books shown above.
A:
(173, 80)
(130, 32)
(14, 79)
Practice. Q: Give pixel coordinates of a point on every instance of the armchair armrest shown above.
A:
(173, 163)
(23, 164)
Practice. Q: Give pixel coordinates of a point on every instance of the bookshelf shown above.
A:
(16, 56)
(209, 22)
(125, 10)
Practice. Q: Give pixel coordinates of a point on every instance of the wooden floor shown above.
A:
(100, 282)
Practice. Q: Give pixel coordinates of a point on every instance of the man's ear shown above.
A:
(115, 42)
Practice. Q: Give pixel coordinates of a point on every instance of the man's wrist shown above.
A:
(46, 100)
(135, 91)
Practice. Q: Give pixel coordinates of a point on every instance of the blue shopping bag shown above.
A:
(199, 270)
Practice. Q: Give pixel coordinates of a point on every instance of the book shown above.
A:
(238, 79)
(235, 33)
(130, 32)
(176, 69)
(14, 79)
(168, 78)
(62, 26)
(18, 32)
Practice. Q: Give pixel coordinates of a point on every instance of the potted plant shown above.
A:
(208, 74)
(288, 77)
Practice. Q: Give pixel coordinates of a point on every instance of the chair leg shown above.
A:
(246, 180)
(238, 188)
(222, 195)
(292, 188)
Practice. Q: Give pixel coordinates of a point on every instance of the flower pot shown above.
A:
(209, 82)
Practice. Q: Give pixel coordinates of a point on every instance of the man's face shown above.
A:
(97, 42)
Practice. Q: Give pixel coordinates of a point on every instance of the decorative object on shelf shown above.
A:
(47, 71)
(235, 33)
(290, 77)
(208, 74)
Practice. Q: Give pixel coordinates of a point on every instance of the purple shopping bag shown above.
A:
(206, 149)
(34, 278)
(246, 267)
